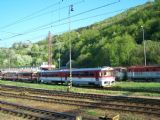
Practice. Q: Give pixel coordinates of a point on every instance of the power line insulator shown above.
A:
(71, 8)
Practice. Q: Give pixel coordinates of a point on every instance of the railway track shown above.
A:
(83, 95)
(145, 109)
(33, 113)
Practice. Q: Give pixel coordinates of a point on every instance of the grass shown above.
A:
(120, 88)
(152, 87)
(122, 115)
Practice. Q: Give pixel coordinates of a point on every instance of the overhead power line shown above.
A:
(108, 4)
(10, 32)
(38, 13)
(21, 19)
(77, 20)
(41, 27)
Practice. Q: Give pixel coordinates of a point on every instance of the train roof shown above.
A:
(79, 69)
(143, 67)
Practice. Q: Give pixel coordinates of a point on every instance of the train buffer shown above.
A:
(109, 117)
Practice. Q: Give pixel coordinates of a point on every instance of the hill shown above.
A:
(117, 41)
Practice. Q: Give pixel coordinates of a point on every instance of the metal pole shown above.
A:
(49, 50)
(70, 51)
(144, 47)
(59, 57)
(58, 37)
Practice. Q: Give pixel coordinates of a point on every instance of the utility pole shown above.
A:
(144, 46)
(70, 50)
(49, 50)
(59, 60)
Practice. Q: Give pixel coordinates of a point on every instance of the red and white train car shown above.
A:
(27, 76)
(84, 76)
(144, 73)
(9, 75)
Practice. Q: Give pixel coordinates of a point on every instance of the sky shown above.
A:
(30, 20)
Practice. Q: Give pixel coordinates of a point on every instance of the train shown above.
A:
(138, 73)
(82, 76)
(105, 76)
(27, 76)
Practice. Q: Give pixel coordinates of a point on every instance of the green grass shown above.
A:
(120, 88)
(152, 87)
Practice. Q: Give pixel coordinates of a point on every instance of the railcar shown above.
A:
(84, 76)
(120, 73)
(10, 75)
(27, 76)
(144, 73)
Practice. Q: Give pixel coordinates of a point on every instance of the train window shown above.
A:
(105, 82)
(92, 74)
(26, 74)
(106, 73)
(86, 73)
(75, 74)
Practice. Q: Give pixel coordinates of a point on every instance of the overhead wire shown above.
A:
(37, 14)
(40, 27)
(18, 34)
(22, 19)
(77, 20)
(10, 32)
(108, 4)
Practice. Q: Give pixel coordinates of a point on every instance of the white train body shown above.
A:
(147, 73)
(83, 76)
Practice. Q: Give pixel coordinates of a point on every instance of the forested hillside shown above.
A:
(117, 41)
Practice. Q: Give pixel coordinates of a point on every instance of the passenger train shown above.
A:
(138, 73)
(144, 73)
(27, 76)
(84, 76)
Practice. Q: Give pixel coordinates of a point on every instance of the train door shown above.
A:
(63, 76)
(96, 74)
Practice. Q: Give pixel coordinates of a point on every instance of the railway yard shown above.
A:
(30, 103)
(100, 60)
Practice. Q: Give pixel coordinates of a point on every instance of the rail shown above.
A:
(27, 111)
